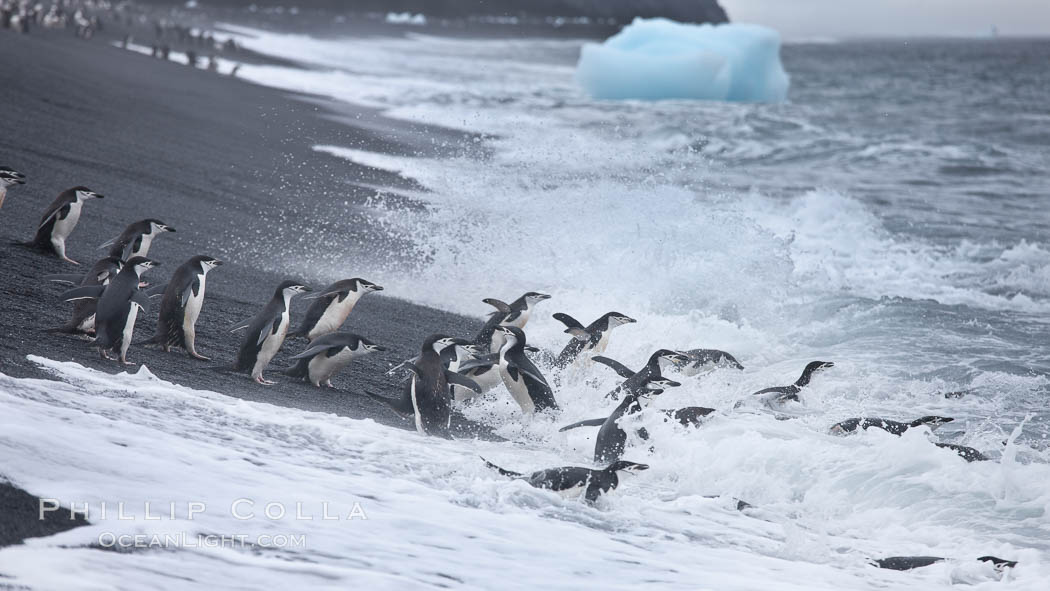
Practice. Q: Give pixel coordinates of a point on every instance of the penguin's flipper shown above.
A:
(266, 333)
(140, 299)
(527, 372)
(481, 361)
(413, 367)
(568, 321)
(241, 325)
(501, 306)
(402, 364)
(324, 294)
(462, 380)
(86, 292)
(156, 290)
(108, 243)
(501, 470)
(70, 278)
(397, 405)
(579, 334)
(588, 423)
(310, 352)
(616, 366)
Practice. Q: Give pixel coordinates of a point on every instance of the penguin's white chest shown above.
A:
(518, 389)
(572, 492)
(415, 407)
(193, 306)
(334, 316)
(322, 367)
(271, 344)
(64, 227)
(129, 327)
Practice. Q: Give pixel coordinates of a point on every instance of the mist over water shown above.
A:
(890, 217)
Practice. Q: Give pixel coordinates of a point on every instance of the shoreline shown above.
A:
(231, 166)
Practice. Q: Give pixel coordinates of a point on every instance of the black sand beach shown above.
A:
(230, 166)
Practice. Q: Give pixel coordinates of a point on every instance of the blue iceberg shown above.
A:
(657, 58)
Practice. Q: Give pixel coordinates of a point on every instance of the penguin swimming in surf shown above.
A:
(778, 395)
(894, 427)
(266, 331)
(593, 338)
(967, 453)
(332, 306)
(574, 481)
(181, 305)
(101, 273)
(60, 219)
(705, 360)
(327, 355)
(9, 177)
(912, 562)
(637, 380)
(136, 239)
(612, 439)
(429, 387)
(118, 307)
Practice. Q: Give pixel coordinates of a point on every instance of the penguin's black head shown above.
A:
(512, 333)
(814, 366)
(661, 383)
(440, 342)
(616, 319)
(81, 192)
(369, 347)
(666, 357)
(999, 563)
(533, 297)
(206, 262)
(932, 421)
(10, 176)
(158, 226)
(365, 285)
(141, 264)
(626, 467)
(290, 288)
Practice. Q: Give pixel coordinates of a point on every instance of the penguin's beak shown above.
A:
(98, 196)
(216, 262)
(376, 288)
(169, 229)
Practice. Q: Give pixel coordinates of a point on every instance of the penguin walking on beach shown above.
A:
(181, 305)
(637, 381)
(101, 273)
(9, 177)
(514, 314)
(328, 355)
(574, 481)
(590, 339)
(428, 389)
(60, 219)
(705, 360)
(332, 306)
(266, 331)
(118, 307)
(136, 239)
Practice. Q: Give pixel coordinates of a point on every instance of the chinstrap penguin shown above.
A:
(118, 307)
(181, 305)
(514, 314)
(895, 427)
(912, 562)
(60, 219)
(590, 339)
(777, 396)
(967, 453)
(574, 481)
(429, 387)
(705, 360)
(9, 177)
(637, 381)
(327, 355)
(332, 306)
(136, 239)
(266, 331)
(101, 273)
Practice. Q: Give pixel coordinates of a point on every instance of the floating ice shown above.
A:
(662, 59)
(406, 18)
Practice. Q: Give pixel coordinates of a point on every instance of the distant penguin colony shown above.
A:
(448, 372)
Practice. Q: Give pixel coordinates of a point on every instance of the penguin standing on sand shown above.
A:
(332, 306)
(328, 355)
(101, 273)
(574, 481)
(428, 388)
(136, 239)
(266, 331)
(118, 307)
(181, 305)
(593, 338)
(8, 178)
(60, 219)
(637, 381)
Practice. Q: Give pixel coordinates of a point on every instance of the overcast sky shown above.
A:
(845, 18)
